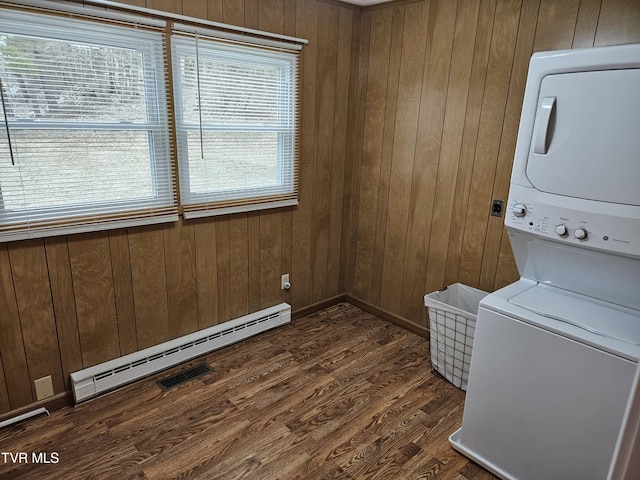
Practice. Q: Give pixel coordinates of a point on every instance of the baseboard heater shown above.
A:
(107, 376)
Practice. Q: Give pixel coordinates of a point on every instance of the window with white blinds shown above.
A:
(84, 137)
(236, 117)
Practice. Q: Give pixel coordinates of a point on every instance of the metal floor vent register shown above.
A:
(183, 377)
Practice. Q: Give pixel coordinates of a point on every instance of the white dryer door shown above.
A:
(586, 136)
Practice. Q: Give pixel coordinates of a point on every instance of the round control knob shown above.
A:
(580, 233)
(562, 230)
(519, 210)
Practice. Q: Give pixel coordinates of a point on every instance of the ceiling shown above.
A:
(364, 3)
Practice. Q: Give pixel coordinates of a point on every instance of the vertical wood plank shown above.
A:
(239, 264)
(306, 27)
(197, 9)
(355, 130)
(491, 117)
(35, 308)
(233, 12)
(214, 10)
(5, 404)
(287, 213)
(271, 19)
(252, 14)
(95, 300)
(469, 139)
(123, 291)
(251, 20)
(286, 259)
(253, 221)
(14, 358)
(378, 66)
(457, 94)
(556, 24)
(223, 269)
(256, 220)
(494, 246)
(619, 22)
(205, 243)
(146, 248)
(404, 148)
(180, 261)
(271, 16)
(290, 18)
(397, 28)
(64, 306)
(586, 24)
(442, 17)
(343, 72)
(270, 258)
(325, 101)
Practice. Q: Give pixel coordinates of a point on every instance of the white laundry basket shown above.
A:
(452, 323)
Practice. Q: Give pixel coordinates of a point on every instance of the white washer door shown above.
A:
(586, 136)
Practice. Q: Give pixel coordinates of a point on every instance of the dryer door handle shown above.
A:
(542, 133)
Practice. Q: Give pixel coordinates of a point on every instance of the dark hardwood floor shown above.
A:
(337, 394)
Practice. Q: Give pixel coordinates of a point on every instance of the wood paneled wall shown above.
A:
(67, 303)
(440, 88)
(409, 119)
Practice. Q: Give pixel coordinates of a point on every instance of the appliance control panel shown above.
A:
(615, 229)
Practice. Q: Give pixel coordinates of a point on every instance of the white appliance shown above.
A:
(626, 459)
(555, 353)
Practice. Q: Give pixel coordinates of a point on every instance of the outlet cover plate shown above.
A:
(497, 207)
(44, 387)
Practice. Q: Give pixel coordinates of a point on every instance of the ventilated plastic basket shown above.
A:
(452, 322)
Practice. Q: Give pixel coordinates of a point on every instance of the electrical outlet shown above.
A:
(44, 387)
(284, 282)
(496, 207)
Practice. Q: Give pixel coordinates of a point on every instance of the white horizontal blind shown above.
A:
(236, 122)
(84, 132)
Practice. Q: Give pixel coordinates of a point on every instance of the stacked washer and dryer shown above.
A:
(555, 353)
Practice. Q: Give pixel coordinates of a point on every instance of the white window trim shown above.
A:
(254, 207)
(44, 232)
(212, 203)
(74, 218)
(100, 10)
